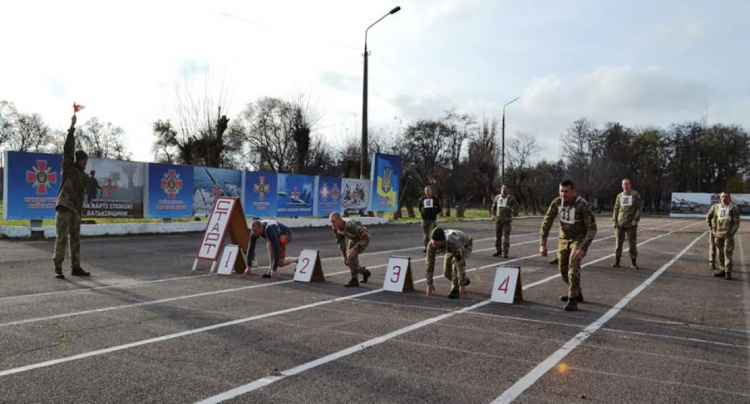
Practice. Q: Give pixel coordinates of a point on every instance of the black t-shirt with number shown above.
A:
(429, 207)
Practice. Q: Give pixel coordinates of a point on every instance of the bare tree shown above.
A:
(103, 140)
(28, 133)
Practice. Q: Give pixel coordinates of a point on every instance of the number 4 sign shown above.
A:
(507, 286)
(309, 267)
(398, 275)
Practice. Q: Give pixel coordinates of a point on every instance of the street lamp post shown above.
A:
(364, 100)
(502, 169)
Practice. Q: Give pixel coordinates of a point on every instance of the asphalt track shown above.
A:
(144, 328)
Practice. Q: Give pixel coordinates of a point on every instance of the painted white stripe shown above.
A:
(745, 294)
(89, 354)
(265, 381)
(540, 370)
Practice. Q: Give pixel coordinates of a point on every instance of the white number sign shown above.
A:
(626, 200)
(507, 284)
(398, 275)
(309, 267)
(568, 215)
(428, 203)
(228, 258)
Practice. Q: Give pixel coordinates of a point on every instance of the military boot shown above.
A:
(633, 265)
(353, 283)
(78, 271)
(578, 299)
(617, 263)
(453, 294)
(58, 273)
(554, 261)
(572, 305)
(719, 274)
(365, 275)
(728, 275)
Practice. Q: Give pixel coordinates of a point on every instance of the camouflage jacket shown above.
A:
(356, 232)
(75, 181)
(724, 220)
(457, 243)
(577, 222)
(504, 209)
(627, 209)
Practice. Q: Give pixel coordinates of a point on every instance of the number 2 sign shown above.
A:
(398, 276)
(309, 267)
(507, 286)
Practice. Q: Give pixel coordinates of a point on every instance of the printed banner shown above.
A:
(329, 196)
(295, 195)
(385, 175)
(115, 188)
(260, 194)
(689, 204)
(169, 191)
(31, 183)
(209, 183)
(355, 195)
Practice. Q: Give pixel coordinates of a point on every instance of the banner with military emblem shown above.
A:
(384, 175)
(115, 188)
(260, 194)
(169, 191)
(31, 182)
(355, 196)
(328, 196)
(296, 195)
(210, 182)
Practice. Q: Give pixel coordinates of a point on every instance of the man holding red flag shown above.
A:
(69, 206)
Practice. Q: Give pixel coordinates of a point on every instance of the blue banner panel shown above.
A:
(260, 194)
(295, 195)
(169, 190)
(384, 178)
(31, 186)
(329, 196)
(115, 188)
(209, 182)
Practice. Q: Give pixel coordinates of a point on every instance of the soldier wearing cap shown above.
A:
(359, 239)
(457, 247)
(625, 218)
(577, 231)
(504, 209)
(69, 207)
(723, 226)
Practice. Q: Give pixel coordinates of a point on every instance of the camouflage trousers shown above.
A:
(570, 269)
(725, 246)
(68, 226)
(632, 234)
(354, 267)
(502, 236)
(712, 251)
(427, 227)
(454, 269)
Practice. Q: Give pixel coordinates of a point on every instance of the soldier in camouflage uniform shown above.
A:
(457, 247)
(69, 206)
(711, 239)
(577, 231)
(625, 218)
(724, 225)
(359, 238)
(504, 209)
(429, 208)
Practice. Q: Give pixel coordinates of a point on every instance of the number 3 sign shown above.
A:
(507, 286)
(398, 276)
(309, 267)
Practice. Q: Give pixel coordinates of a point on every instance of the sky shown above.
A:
(640, 63)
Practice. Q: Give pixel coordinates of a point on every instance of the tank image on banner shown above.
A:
(209, 182)
(115, 188)
(295, 195)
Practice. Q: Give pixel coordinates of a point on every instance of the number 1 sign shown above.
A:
(507, 286)
(398, 275)
(228, 258)
(309, 267)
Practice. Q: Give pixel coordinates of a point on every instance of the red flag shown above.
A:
(77, 107)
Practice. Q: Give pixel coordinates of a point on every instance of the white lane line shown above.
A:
(265, 381)
(89, 354)
(196, 295)
(180, 278)
(540, 370)
(745, 297)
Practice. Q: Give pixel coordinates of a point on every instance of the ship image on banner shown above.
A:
(209, 183)
(295, 195)
(329, 196)
(260, 194)
(355, 195)
(385, 175)
(169, 191)
(115, 189)
(31, 183)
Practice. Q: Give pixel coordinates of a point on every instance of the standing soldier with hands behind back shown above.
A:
(504, 209)
(723, 225)
(625, 216)
(69, 208)
(577, 231)
(429, 208)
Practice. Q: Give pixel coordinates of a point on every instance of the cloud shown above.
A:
(684, 34)
(409, 108)
(341, 81)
